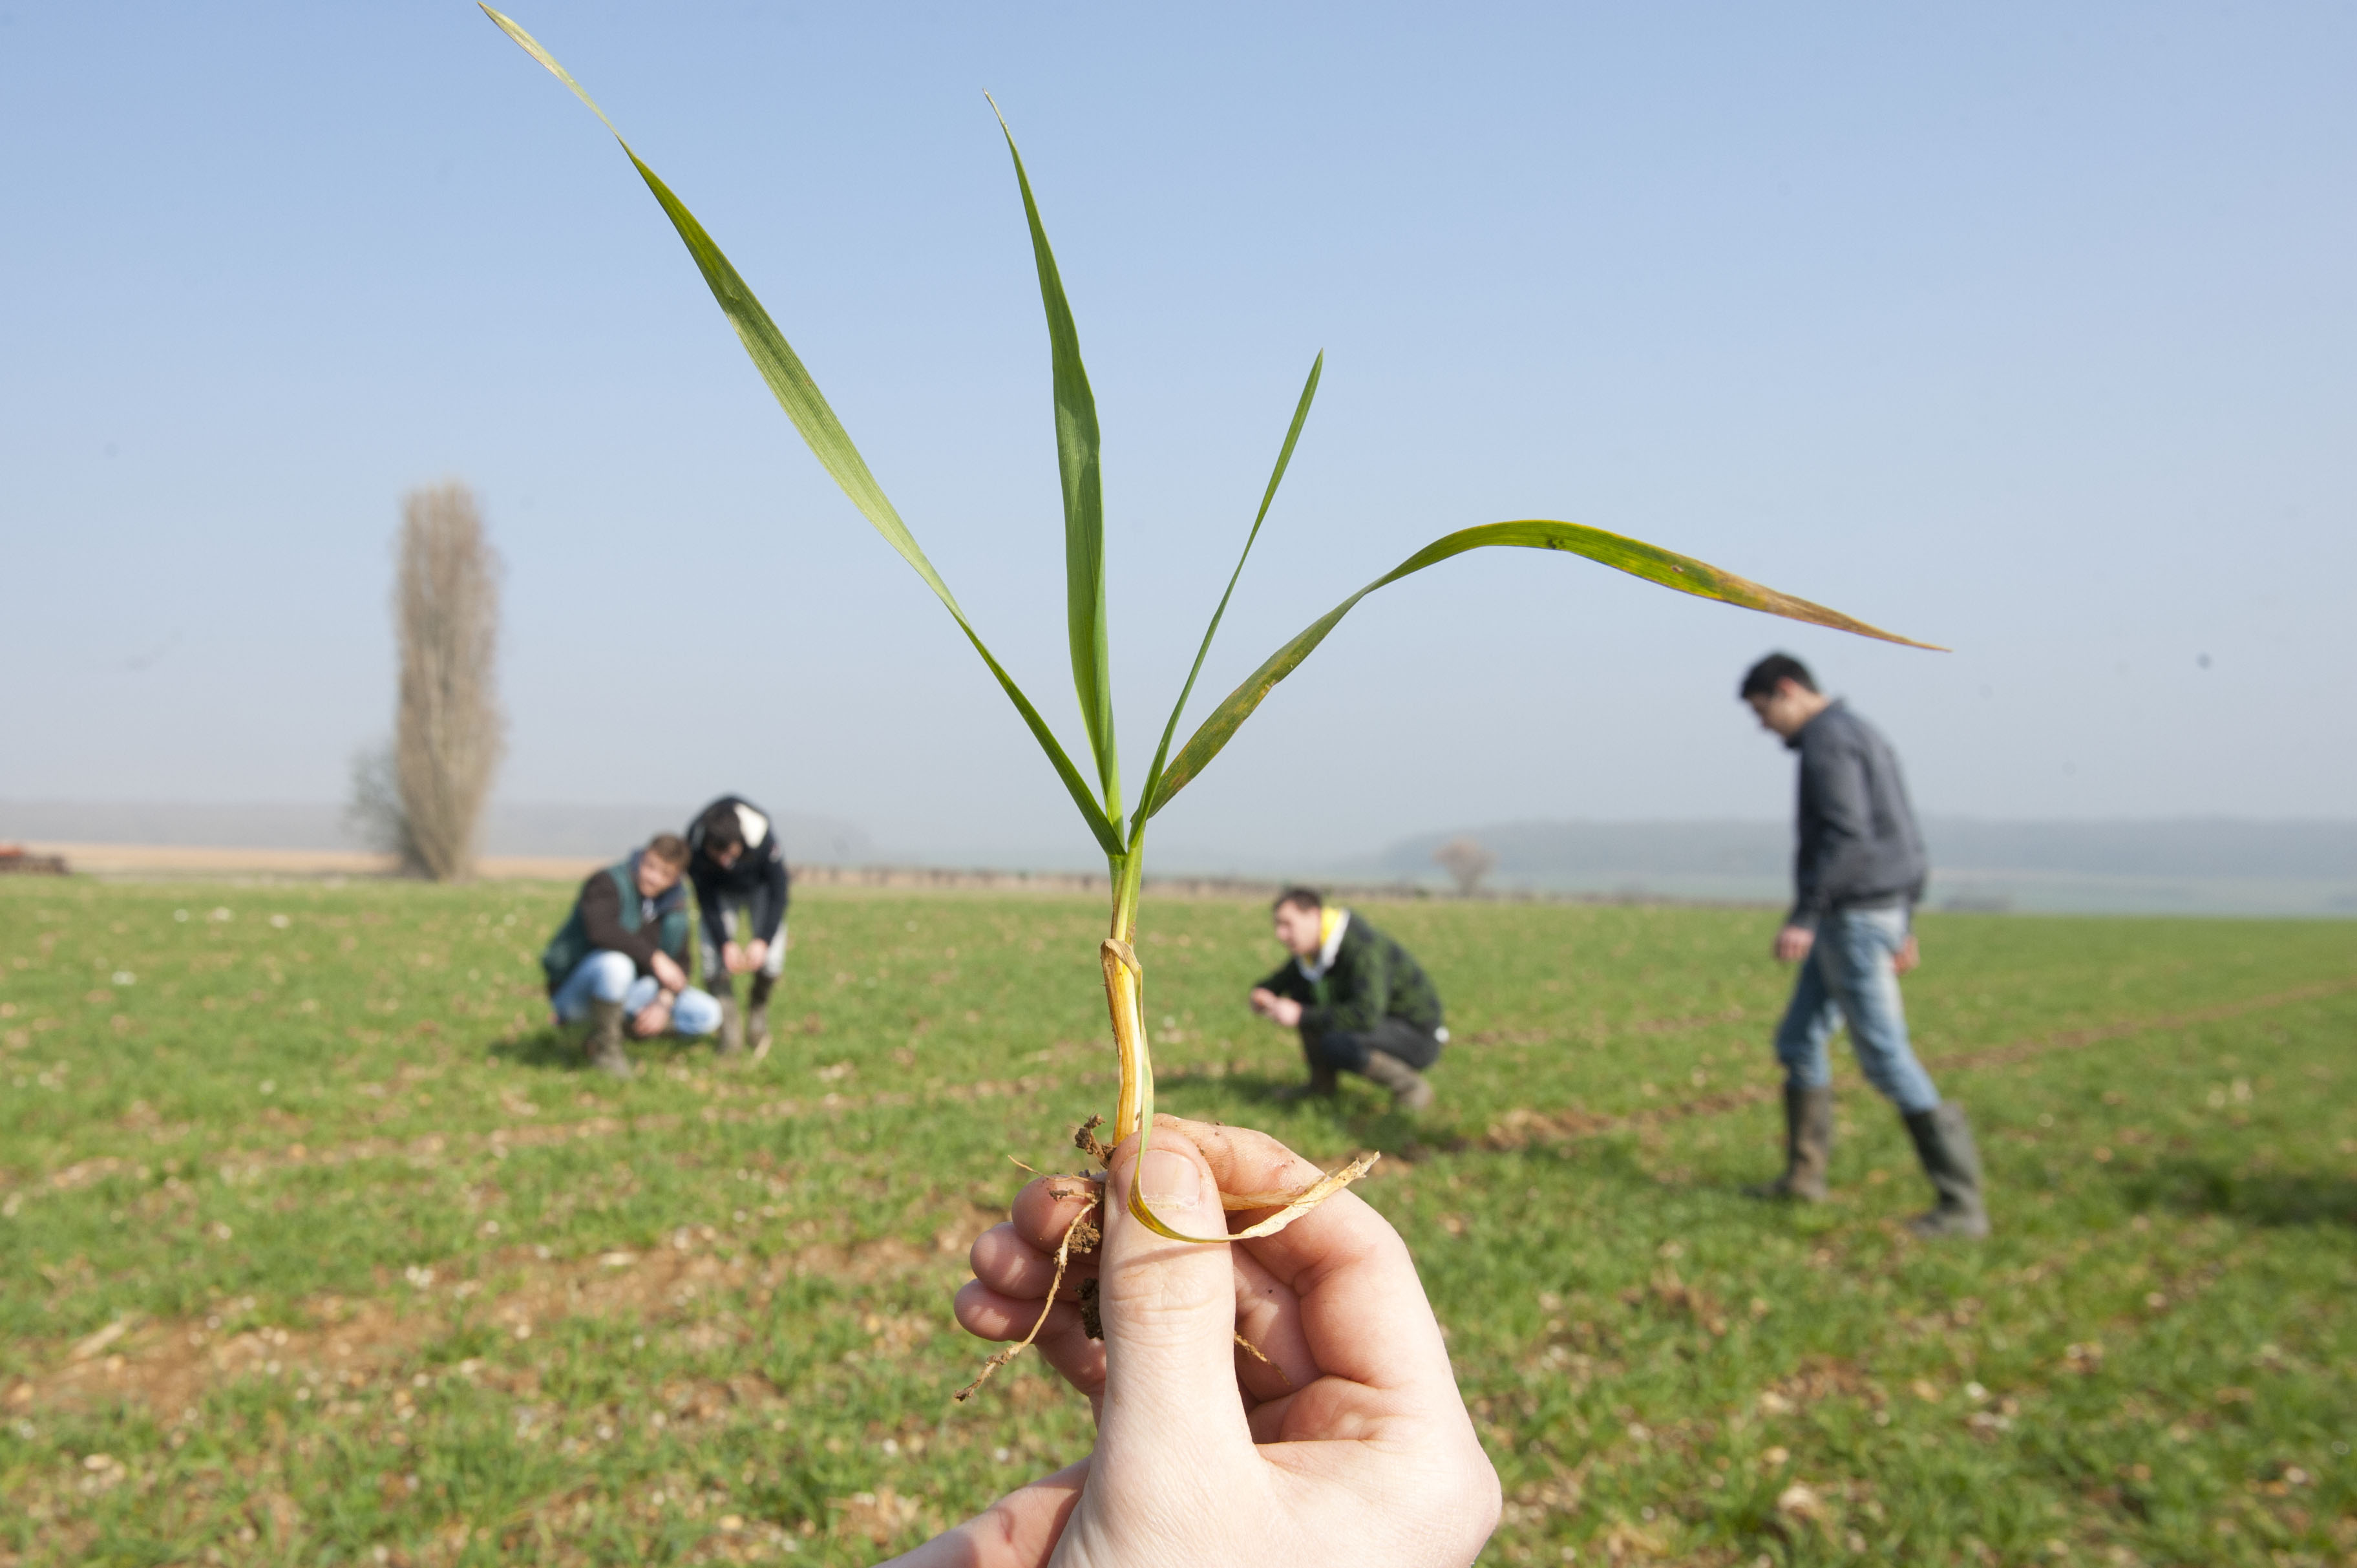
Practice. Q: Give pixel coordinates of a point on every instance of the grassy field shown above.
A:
(316, 1246)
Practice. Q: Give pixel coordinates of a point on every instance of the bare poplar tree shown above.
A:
(448, 731)
(1467, 860)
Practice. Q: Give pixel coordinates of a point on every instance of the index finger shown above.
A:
(1362, 1309)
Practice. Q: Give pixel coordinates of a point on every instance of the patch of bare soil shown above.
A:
(425, 1149)
(168, 1366)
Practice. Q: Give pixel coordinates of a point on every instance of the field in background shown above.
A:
(316, 1246)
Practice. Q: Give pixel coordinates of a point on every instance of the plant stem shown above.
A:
(1126, 992)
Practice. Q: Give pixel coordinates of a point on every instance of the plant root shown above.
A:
(1081, 1236)
(1255, 1352)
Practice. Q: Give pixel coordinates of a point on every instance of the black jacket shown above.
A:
(757, 878)
(1858, 840)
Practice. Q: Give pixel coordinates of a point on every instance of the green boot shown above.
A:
(1944, 1142)
(1808, 1146)
(1411, 1090)
(604, 1043)
(757, 1014)
(731, 1044)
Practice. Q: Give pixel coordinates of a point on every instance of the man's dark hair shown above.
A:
(1300, 898)
(723, 830)
(1763, 678)
(669, 848)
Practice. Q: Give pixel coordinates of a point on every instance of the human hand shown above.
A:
(653, 1019)
(667, 973)
(1276, 1009)
(1793, 942)
(1908, 957)
(732, 958)
(1349, 1445)
(757, 953)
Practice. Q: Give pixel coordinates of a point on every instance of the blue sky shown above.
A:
(2025, 329)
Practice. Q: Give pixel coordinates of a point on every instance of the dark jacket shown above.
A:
(1858, 843)
(757, 879)
(1371, 978)
(611, 915)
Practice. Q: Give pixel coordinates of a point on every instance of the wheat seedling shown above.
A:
(1120, 830)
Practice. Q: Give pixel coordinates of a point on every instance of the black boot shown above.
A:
(1944, 1142)
(1322, 1078)
(1808, 1146)
(756, 1013)
(1322, 1086)
(1411, 1090)
(604, 1043)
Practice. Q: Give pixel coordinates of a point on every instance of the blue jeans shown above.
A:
(1847, 978)
(606, 976)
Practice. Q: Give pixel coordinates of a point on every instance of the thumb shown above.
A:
(1168, 1308)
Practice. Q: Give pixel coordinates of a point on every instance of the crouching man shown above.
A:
(1362, 1004)
(618, 958)
(1857, 877)
(739, 871)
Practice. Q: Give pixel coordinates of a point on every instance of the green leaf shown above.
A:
(1076, 458)
(807, 407)
(1668, 568)
(1150, 802)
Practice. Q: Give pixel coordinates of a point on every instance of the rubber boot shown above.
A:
(731, 1044)
(604, 1043)
(1411, 1090)
(1322, 1086)
(757, 1014)
(1808, 1146)
(1944, 1142)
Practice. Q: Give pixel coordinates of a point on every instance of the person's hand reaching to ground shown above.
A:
(1350, 1445)
(1276, 1009)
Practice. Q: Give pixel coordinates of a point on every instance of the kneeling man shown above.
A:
(1362, 1004)
(619, 956)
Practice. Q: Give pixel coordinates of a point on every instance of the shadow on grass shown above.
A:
(548, 1047)
(553, 1050)
(2255, 1198)
(1359, 1111)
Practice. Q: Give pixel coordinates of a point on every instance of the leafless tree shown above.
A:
(448, 731)
(1467, 860)
(373, 814)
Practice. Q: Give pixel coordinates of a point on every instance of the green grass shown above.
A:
(393, 1277)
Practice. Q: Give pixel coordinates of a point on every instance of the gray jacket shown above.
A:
(1858, 840)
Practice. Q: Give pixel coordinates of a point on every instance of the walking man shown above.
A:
(1362, 1004)
(619, 956)
(739, 872)
(1857, 877)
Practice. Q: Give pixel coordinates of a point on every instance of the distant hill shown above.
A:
(2188, 866)
(2193, 865)
(512, 828)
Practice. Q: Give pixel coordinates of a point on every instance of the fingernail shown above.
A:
(1170, 1180)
